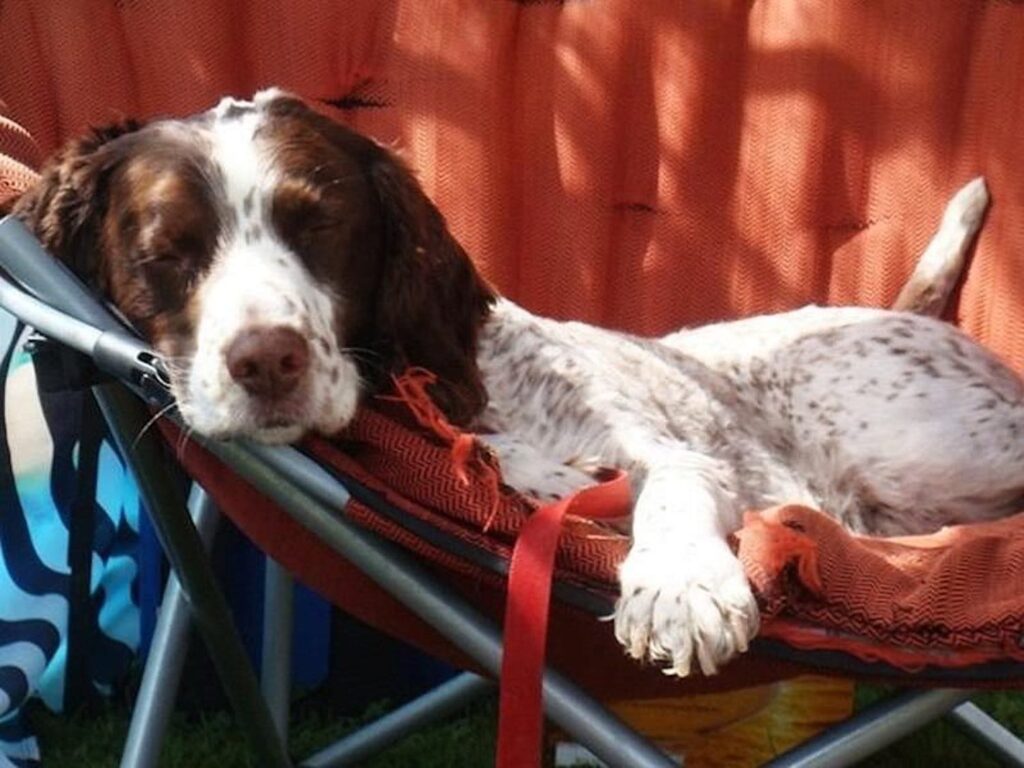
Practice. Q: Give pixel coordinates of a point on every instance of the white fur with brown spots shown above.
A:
(892, 421)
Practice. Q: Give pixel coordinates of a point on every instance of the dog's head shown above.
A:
(282, 264)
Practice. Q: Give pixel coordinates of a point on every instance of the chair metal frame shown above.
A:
(46, 296)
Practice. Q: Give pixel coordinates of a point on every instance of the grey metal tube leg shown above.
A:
(162, 675)
(990, 734)
(278, 623)
(871, 730)
(127, 417)
(400, 575)
(24, 258)
(377, 736)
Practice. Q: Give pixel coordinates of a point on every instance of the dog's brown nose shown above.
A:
(269, 362)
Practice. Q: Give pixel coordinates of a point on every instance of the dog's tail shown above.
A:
(930, 287)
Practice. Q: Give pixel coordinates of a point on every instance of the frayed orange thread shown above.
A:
(806, 553)
(779, 545)
(411, 387)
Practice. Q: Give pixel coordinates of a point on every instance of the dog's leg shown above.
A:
(532, 473)
(684, 594)
(929, 288)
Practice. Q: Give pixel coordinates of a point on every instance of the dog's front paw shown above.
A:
(685, 603)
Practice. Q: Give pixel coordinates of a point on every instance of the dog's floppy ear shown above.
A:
(431, 301)
(64, 207)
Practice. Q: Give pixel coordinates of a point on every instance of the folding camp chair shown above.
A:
(311, 497)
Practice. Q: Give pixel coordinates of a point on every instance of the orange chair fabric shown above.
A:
(946, 601)
(950, 599)
(641, 165)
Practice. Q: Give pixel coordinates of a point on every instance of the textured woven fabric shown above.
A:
(18, 157)
(573, 643)
(638, 168)
(391, 455)
(950, 599)
(642, 169)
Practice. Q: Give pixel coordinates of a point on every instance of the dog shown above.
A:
(284, 266)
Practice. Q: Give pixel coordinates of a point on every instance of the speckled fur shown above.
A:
(893, 422)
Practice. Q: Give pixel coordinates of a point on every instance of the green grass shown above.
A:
(95, 740)
(197, 741)
(941, 743)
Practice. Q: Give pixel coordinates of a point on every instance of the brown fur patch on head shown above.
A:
(412, 295)
(129, 209)
(63, 208)
(159, 235)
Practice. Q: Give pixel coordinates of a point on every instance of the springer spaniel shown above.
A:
(284, 265)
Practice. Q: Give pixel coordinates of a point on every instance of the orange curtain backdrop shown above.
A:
(637, 164)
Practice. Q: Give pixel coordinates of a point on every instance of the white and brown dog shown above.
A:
(284, 265)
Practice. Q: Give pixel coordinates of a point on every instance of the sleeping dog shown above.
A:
(285, 266)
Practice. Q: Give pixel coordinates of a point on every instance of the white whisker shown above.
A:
(153, 420)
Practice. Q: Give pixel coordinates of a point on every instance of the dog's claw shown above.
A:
(685, 609)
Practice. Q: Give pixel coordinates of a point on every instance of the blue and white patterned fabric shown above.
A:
(39, 445)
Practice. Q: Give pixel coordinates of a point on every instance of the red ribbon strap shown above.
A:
(520, 711)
